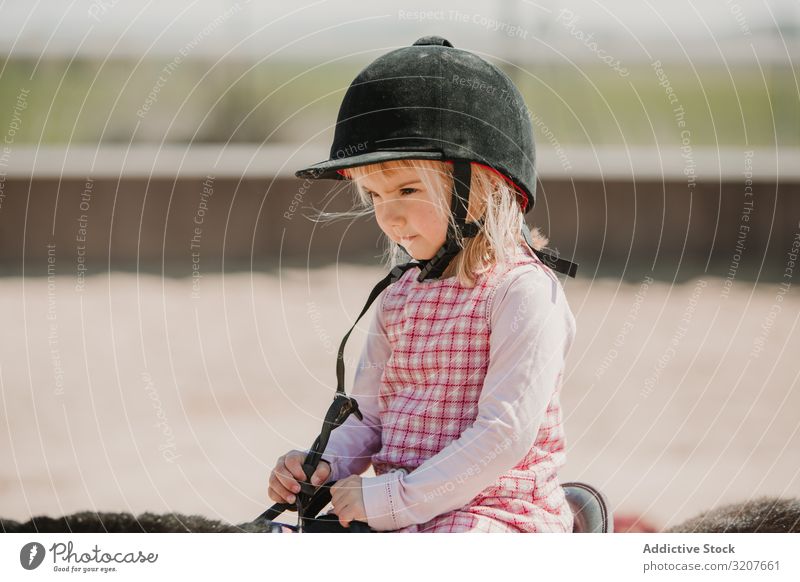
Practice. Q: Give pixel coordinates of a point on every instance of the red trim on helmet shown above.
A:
(510, 182)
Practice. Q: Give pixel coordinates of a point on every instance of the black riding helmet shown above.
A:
(435, 102)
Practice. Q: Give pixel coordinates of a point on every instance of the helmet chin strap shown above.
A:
(434, 267)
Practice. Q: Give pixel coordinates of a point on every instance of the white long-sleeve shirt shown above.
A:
(531, 329)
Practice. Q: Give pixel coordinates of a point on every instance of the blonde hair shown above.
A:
(493, 199)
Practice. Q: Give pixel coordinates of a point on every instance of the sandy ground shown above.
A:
(132, 395)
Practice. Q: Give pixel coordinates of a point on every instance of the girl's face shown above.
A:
(407, 211)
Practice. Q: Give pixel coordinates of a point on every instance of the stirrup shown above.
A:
(589, 507)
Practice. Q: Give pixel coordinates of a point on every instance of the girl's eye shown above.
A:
(404, 191)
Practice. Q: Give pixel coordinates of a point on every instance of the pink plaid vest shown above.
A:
(439, 333)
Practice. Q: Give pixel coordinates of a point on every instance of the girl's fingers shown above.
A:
(321, 474)
(283, 480)
(342, 508)
(294, 462)
(280, 495)
(291, 471)
(343, 515)
(288, 471)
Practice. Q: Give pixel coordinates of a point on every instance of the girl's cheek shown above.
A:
(379, 218)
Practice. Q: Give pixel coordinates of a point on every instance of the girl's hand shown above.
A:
(348, 500)
(283, 481)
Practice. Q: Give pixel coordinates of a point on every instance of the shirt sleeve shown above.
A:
(532, 329)
(352, 444)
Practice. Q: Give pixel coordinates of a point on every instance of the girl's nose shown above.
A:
(392, 213)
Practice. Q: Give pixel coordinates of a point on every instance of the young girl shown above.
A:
(458, 384)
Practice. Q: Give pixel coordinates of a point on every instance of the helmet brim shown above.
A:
(329, 169)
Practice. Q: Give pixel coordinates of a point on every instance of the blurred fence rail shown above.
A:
(205, 208)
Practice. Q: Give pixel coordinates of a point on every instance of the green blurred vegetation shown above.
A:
(88, 101)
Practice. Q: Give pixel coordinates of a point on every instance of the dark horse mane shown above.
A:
(91, 522)
(762, 515)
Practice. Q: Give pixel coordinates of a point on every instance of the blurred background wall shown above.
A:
(653, 127)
